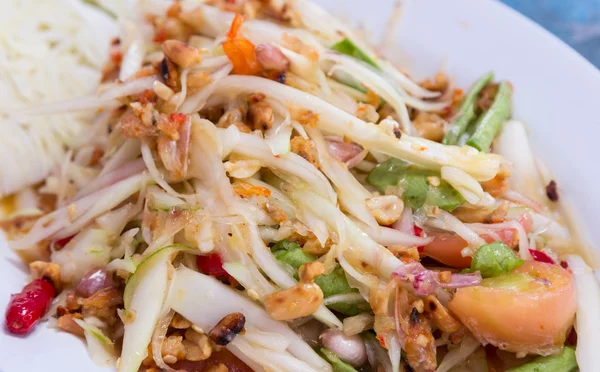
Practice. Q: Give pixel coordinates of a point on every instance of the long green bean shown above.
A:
(489, 124)
(467, 111)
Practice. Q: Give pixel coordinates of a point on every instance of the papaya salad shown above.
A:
(258, 189)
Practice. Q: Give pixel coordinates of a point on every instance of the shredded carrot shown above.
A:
(239, 50)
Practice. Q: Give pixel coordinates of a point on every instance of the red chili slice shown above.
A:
(26, 308)
(60, 243)
(211, 265)
(541, 256)
(419, 232)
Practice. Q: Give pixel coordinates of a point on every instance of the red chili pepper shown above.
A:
(541, 256)
(211, 265)
(418, 232)
(60, 243)
(381, 341)
(26, 308)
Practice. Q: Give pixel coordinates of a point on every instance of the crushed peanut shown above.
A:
(193, 18)
(197, 346)
(170, 359)
(67, 323)
(173, 346)
(163, 91)
(179, 322)
(386, 209)
(419, 305)
(313, 246)
(404, 253)
(445, 276)
(260, 116)
(307, 117)
(227, 328)
(48, 270)
(498, 185)
(440, 82)
(440, 316)
(434, 181)
(298, 301)
(305, 148)
(309, 271)
(276, 212)
(430, 126)
(367, 113)
(198, 80)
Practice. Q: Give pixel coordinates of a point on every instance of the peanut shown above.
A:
(298, 301)
(386, 208)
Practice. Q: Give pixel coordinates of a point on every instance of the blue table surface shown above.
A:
(577, 22)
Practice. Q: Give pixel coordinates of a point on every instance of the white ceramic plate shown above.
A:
(555, 94)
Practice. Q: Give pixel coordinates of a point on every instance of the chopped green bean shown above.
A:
(467, 111)
(348, 47)
(489, 124)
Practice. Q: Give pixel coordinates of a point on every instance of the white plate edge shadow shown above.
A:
(518, 53)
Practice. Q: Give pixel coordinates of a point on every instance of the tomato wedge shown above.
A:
(529, 310)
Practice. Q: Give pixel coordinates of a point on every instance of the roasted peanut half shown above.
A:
(430, 126)
(309, 271)
(260, 116)
(298, 301)
(440, 316)
(182, 54)
(227, 328)
(386, 208)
